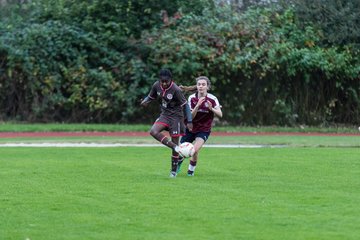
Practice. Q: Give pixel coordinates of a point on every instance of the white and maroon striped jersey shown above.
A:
(204, 117)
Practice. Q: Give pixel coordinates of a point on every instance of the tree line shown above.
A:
(91, 61)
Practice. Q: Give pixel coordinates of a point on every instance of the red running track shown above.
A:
(145, 134)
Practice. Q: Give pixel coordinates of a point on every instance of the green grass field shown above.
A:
(125, 193)
(292, 141)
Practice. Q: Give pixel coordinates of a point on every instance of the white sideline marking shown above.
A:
(102, 145)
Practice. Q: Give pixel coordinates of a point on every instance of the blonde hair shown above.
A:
(188, 88)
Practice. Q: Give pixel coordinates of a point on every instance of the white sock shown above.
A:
(191, 168)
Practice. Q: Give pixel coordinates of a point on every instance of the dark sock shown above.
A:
(174, 164)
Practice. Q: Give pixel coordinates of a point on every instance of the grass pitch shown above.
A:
(125, 193)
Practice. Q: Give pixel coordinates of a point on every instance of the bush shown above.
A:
(265, 69)
(55, 71)
(92, 62)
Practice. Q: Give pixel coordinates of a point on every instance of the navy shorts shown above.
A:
(190, 136)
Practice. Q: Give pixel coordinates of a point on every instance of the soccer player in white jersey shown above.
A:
(204, 106)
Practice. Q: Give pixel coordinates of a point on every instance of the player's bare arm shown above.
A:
(216, 110)
(196, 108)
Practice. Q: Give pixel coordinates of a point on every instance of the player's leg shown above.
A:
(176, 130)
(156, 132)
(198, 144)
(189, 137)
(174, 158)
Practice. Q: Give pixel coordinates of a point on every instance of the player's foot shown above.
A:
(180, 161)
(190, 173)
(172, 174)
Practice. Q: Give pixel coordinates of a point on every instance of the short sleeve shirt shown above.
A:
(204, 117)
(171, 99)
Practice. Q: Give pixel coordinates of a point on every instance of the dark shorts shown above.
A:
(190, 136)
(175, 126)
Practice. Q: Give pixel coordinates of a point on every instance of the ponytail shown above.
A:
(187, 89)
(193, 88)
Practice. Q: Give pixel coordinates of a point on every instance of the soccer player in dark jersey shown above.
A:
(173, 108)
(204, 106)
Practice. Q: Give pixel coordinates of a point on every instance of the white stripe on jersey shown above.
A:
(209, 95)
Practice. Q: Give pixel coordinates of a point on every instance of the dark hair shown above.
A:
(165, 73)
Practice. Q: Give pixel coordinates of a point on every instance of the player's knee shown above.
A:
(154, 132)
(197, 149)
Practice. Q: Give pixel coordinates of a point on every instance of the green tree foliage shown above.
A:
(91, 61)
(339, 21)
(266, 70)
(115, 18)
(70, 60)
(52, 71)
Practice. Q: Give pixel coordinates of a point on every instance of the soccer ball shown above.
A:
(186, 149)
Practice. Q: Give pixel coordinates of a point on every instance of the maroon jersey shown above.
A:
(171, 99)
(204, 117)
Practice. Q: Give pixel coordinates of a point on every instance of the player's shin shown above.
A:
(174, 163)
(191, 169)
(164, 140)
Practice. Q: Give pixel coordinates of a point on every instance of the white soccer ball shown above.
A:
(186, 149)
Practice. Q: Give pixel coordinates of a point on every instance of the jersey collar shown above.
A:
(197, 95)
(164, 90)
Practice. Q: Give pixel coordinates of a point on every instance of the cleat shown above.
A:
(172, 174)
(190, 173)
